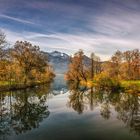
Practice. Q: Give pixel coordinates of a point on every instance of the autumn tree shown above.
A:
(116, 61)
(136, 64)
(132, 64)
(95, 66)
(24, 63)
(30, 60)
(77, 71)
(128, 59)
(124, 65)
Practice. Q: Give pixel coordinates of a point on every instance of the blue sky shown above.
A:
(100, 26)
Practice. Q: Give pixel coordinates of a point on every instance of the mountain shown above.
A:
(58, 60)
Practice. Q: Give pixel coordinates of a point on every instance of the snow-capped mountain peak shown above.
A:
(58, 54)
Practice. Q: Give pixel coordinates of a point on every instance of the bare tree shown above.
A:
(2, 44)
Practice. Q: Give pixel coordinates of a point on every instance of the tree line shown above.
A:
(23, 63)
(122, 66)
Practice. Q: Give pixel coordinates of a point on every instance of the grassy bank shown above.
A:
(6, 86)
(130, 82)
(131, 86)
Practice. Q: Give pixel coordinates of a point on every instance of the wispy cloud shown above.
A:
(70, 43)
(92, 25)
(16, 19)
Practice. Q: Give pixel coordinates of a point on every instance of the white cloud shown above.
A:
(102, 45)
(16, 19)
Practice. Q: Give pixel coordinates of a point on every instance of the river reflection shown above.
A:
(127, 106)
(52, 113)
(23, 110)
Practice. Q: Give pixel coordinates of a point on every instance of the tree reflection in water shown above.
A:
(22, 111)
(126, 105)
(76, 97)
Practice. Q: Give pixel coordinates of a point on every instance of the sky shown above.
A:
(99, 26)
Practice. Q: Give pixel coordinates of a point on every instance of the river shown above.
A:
(58, 112)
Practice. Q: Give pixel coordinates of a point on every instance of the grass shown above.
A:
(130, 82)
(6, 83)
(131, 86)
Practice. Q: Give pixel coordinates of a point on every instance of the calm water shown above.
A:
(55, 112)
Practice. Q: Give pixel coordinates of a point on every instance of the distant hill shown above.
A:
(60, 61)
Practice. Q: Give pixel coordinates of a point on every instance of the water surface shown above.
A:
(56, 111)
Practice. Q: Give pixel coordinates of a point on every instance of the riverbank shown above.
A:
(5, 86)
(130, 86)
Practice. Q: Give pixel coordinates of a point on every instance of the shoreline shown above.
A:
(5, 88)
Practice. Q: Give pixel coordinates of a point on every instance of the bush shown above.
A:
(104, 82)
(131, 86)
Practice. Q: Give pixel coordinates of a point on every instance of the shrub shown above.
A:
(131, 86)
(104, 82)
